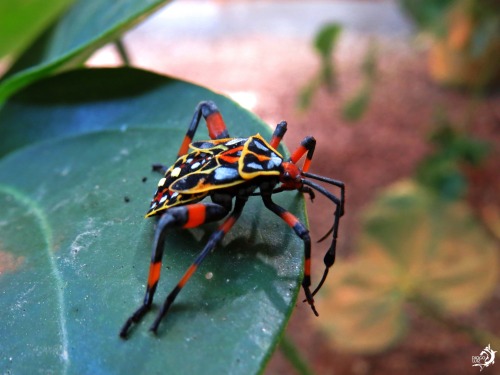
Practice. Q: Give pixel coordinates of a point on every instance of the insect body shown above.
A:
(227, 169)
(214, 165)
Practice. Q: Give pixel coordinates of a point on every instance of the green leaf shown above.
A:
(355, 107)
(74, 253)
(86, 26)
(326, 39)
(21, 21)
(325, 42)
(428, 14)
(441, 170)
(306, 94)
(414, 248)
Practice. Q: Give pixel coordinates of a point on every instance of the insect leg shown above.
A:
(186, 217)
(214, 239)
(304, 189)
(215, 124)
(329, 257)
(278, 134)
(333, 182)
(301, 231)
(160, 168)
(307, 145)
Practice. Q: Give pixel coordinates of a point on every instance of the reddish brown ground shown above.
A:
(383, 147)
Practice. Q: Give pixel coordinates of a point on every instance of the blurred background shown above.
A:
(402, 97)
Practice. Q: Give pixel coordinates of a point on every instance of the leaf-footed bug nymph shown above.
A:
(227, 169)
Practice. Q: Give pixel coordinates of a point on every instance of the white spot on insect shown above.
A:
(223, 174)
(162, 181)
(234, 141)
(204, 145)
(261, 146)
(254, 166)
(174, 195)
(274, 162)
(195, 165)
(163, 199)
(175, 172)
(189, 160)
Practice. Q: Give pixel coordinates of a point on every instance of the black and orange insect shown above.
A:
(227, 169)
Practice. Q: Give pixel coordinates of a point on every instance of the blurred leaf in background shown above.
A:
(465, 40)
(354, 108)
(22, 21)
(442, 170)
(428, 14)
(324, 44)
(414, 248)
(82, 29)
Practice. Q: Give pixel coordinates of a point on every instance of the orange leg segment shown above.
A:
(213, 241)
(215, 124)
(186, 217)
(278, 134)
(306, 146)
(301, 231)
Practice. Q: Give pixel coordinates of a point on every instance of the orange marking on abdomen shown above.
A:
(262, 157)
(215, 124)
(192, 268)
(154, 273)
(196, 215)
(229, 159)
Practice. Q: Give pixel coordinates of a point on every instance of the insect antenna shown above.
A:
(330, 181)
(329, 257)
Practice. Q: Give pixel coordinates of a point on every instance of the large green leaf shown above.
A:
(21, 21)
(74, 253)
(86, 26)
